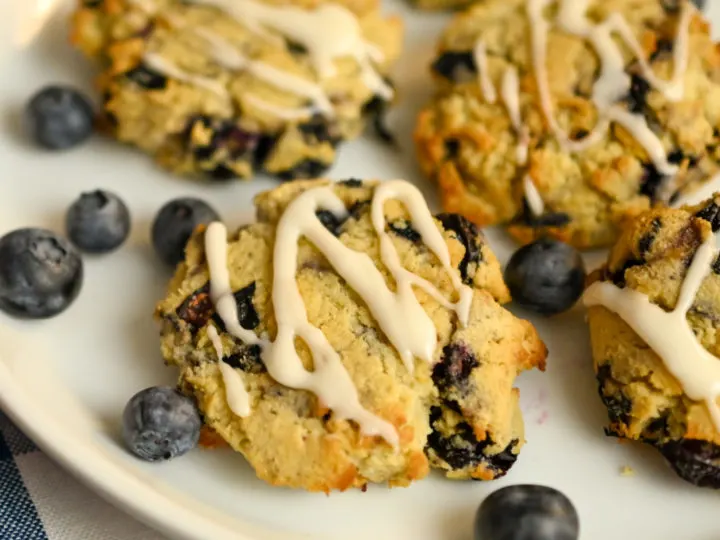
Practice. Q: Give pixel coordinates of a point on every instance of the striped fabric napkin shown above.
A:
(40, 501)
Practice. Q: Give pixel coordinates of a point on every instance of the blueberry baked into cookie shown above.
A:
(654, 326)
(349, 337)
(228, 88)
(567, 117)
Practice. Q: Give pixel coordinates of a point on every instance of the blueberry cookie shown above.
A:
(568, 121)
(385, 329)
(225, 89)
(654, 325)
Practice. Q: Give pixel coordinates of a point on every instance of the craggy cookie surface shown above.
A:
(589, 179)
(211, 91)
(458, 413)
(645, 401)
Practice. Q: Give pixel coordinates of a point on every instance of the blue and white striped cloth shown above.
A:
(40, 501)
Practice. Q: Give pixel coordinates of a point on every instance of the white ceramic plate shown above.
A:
(65, 381)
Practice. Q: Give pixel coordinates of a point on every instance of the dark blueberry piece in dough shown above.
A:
(696, 461)
(403, 229)
(377, 109)
(175, 223)
(249, 360)
(618, 277)
(450, 64)
(676, 157)
(331, 222)
(147, 78)
(546, 276)
(320, 129)
(548, 219)
(652, 181)
(453, 370)
(527, 512)
(40, 273)
(646, 241)
(351, 183)
(222, 172)
(637, 98)
(160, 423)
(307, 168)
(460, 449)
(295, 47)
(98, 222)
(663, 49)
(197, 309)
(470, 237)
(711, 213)
(716, 266)
(618, 405)
(452, 148)
(247, 315)
(228, 145)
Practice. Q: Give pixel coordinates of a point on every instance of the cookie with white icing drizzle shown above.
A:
(230, 88)
(604, 114)
(653, 315)
(389, 375)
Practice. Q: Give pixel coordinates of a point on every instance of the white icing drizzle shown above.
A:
(511, 97)
(328, 32)
(613, 83)
(393, 322)
(221, 292)
(668, 333)
(481, 63)
(237, 396)
(286, 113)
(161, 65)
(229, 57)
(399, 313)
(704, 192)
(533, 197)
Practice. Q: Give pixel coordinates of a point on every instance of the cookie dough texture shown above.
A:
(198, 130)
(443, 4)
(460, 416)
(644, 401)
(468, 146)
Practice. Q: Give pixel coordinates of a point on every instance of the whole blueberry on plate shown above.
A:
(40, 273)
(159, 423)
(526, 512)
(98, 222)
(547, 276)
(59, 117)
(175, 223)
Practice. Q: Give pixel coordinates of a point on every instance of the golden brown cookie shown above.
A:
(588, 180)
(211, 91)
(645, 400)
(458, 413)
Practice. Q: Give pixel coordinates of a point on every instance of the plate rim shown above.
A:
(159, 511)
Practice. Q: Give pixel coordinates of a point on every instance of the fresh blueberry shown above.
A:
(98, 222)
(59, 117)
(175, 223)
(40, 273)
(160, 423)
(546, 276)
(526, 512)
